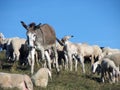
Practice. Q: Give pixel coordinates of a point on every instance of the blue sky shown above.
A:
(91, 21)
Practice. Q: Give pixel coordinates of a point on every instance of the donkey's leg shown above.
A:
(32, 53)
(56, 58)
(48, 59)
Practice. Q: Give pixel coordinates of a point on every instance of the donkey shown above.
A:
(41, 38)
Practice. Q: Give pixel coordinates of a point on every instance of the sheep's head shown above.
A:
(96, 67)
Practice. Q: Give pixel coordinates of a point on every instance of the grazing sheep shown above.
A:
(41, 77)
(106, 67)
(113, 57)
(22, 82)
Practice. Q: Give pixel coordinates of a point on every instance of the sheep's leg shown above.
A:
(113, 76)
(70, 61)
(82, 62)
(8, 52)
(14, 56)
(48, 59)
(92, 60)
(76, 62)
(102, 76)
(66, 62)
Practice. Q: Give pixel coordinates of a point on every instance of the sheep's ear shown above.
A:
(24, 25)
(60, 42)
(72, 36)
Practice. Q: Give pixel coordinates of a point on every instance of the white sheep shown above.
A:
(16, 45)
(12, 46)
(70, 52)
(79, 51)
(5, 44)
(114, 57)
(41, 77)
(109, 51)
(20, 81)
(106, 67)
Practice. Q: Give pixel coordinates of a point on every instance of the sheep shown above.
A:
(91, 51)
(71, 52)
(109, 51)
(20, 81)
(12, 46)
(16, 45)
(5, 44)
(106, 66)
(115, 57)
(41, 77)
(79, 51)
(97, 54)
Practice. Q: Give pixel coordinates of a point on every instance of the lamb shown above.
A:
(5, 44)
(106, 66)
(12, 46)
(113, 57)
(16, 45)
(20, 81)
(41, 77)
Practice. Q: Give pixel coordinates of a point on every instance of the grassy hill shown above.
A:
(65, 80)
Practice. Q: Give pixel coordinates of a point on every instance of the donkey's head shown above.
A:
(31, 34)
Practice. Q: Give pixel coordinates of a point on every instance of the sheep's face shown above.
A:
(94, 67)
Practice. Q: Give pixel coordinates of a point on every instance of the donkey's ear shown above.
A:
(36, 27)
(24, 25)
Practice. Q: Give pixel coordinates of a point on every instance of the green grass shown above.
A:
(66, 80)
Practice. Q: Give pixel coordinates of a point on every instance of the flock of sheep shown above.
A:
(105, 61)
